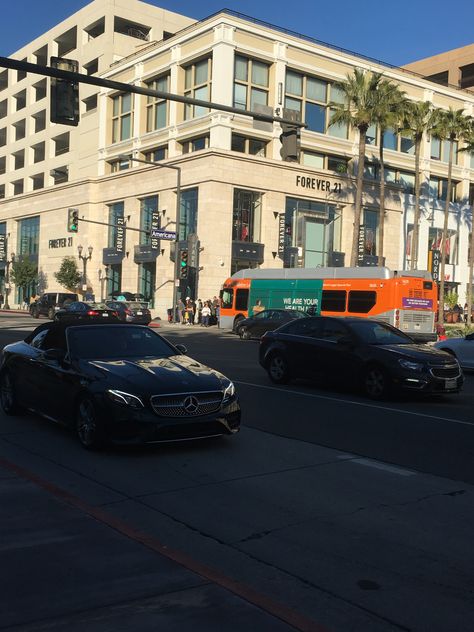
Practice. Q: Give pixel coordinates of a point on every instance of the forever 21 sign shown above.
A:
(318, 184)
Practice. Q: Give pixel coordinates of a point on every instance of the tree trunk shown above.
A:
(445, 236)
(381, 234)
(471, 271)
(358, 200)
(416, 213)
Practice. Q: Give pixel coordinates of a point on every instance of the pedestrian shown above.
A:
(189, 315)
(181, 310)
(206, 314)
(465, 312)
(199, 311)
(1, 299)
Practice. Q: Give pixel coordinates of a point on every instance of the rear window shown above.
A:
(333, 301)
(137, 305)
(66, 297)
(361, 302)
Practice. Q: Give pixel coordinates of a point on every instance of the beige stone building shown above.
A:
(453, 67)
(247, 206)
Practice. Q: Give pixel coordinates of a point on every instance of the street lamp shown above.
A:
(84, 259)
(7, 278)
(178, 212)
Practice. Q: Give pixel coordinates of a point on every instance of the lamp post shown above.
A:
(84, 259)
(7, 278)
(178, 212)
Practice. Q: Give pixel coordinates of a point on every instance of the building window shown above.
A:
(90, 103)
(2, 191)
(409, 244)
(3, 108)
(450, 249)
(95, 29)
(246, 216)
(20, 99)
(339, 164)
(118, 165)
(197, 84)
(392, 176)
(438, 188)
(66, 42)
(3, 136)
(155, 155)
(40, 121)
(4, 79)
(188, 213)
(371, 225)
(147, 281)
(311, 97)
(250, 83)
(37, 181)
(253, 146)
(131, 29)
(121, 117)
(60, 174)
(440, 150)
(38, 152)
(61, 144)
(195, 144)
(92, 67)
(157, 109)
(3, 165)
(116, 211)
(18, 187)
(19, 159)
(114, 278)
(28, 236)
(148, 206)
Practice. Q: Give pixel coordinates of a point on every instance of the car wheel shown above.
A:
(237, 322)
(51, 313)
(376, 382)
(278, 370)
(244, 333)
(35, 313)
(8, 399)
(89, 428)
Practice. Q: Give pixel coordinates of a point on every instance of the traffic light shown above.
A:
(72, 220)
(183, 264)
(290, 142)
(64, 94)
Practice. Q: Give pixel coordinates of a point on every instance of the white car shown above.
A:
(461, 348)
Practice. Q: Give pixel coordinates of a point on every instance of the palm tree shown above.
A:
(391, 105)
(450, 125)
(359, 92)
(469, 138)
(418, 119)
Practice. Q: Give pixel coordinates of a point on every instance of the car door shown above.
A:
(57, 382)
(256, 325)
(301, 344)
(337, 350)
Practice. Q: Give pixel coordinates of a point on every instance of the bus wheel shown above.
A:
(376, 382)
(278, 370)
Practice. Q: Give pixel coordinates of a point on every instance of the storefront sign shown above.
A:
(3, 249)
(155, 226)
(361, 245)
(417, 303)
(120, 236)
(144, 253)
(62, 242)
(110, 256)
(435, 263)
(163, 234)
(281, 235)
(318, 184)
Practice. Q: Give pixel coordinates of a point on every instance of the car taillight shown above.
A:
(128, 312)
(91, 312)
(115, 314)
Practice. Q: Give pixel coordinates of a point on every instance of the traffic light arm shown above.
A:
(25, 66)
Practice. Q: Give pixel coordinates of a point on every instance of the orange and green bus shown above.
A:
(406, 299)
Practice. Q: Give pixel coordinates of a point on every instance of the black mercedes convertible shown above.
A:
(117, 383)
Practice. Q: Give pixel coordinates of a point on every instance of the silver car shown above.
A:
(461, 348)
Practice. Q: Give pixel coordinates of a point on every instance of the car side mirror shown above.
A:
(56, 355)
(182, 349)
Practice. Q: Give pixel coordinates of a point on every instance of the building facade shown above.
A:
(245, 204)
(454, 67)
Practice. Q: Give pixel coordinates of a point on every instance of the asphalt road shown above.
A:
(327, 512)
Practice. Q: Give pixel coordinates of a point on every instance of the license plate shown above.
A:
(450, 384)
(105, 315)
(139, 313)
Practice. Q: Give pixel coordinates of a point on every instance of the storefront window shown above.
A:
(147, 281)
(188, 213)
(114, 278)
(371, 224)
(115, 212)
(28, 244)
(246, 216)
(450, 248)
(148, 206)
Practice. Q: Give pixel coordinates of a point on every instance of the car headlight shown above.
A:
(125, 399)
(229, 391)
(410, 365)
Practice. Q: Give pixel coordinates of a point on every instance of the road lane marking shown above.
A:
(382, 466)
(355, 403)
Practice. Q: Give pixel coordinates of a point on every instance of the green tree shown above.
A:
(469, 147)
(391, 104)
(358, 110)
(450, 125)
(68, 274)
(419, 118)
(23, 273)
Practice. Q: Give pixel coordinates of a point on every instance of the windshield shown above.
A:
(297, 314)
(227, 299)
(374, 333)
(117, 342)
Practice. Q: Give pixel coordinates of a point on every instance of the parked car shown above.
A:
(81, 310)
(118, 383)
(50, 302)
(267, 320)
(131, 312)
(461, 348)
(349, 350)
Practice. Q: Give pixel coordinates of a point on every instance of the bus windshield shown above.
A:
(227, 298)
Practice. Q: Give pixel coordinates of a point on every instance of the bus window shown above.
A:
(241, 300)
(361, 302)
(333, 301)
(227, 297)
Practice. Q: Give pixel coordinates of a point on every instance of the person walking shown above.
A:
(199, 311)
(206, 314)
(189, 315)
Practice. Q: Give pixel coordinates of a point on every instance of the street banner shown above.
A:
(155, 227)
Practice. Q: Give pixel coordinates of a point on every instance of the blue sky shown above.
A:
(395, 32)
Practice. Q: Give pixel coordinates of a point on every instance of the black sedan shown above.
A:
(131, 311)
(357, 351)
(80, 310)
(117, 383)
(267, 320)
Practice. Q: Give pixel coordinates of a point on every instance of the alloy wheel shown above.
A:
(375, 383)
(87, 426)
(7, 395)
(278, 369)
